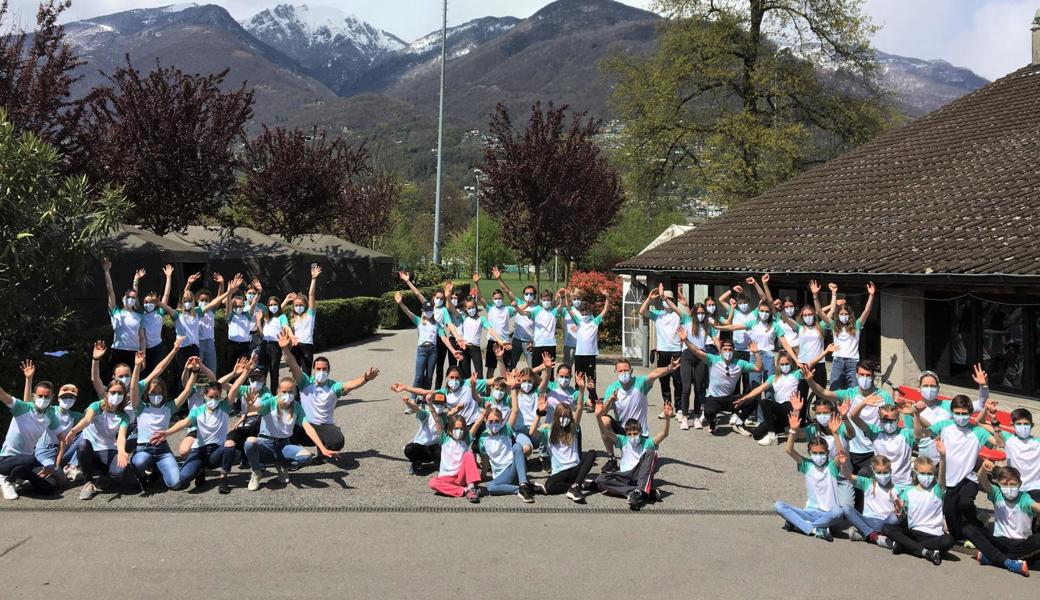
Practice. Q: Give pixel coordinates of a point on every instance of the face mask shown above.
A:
(42, 402)
(634, 439)
(188, 305)
(564, 421)
(254, 386)
(961, 420)
(929, 393)
(727, 355)
(925, 479)
(526, 387)
(438, 302)
(865, 382)
(453, 384)
(667, 307)
(576, 303)
(129, 302)
(785, 368)
(274, 308)
(457, 433)
(115, 399)
(564, 381)
(700, 317)
(250, 297)
(300, 309)
(789, 311)
(498, 394)
(428, 314)
(238, 310)
(125, 379)
(494, 428)
(321, 376)
(824, 419)
(528, 297)
(763, 315)
(149, 307)
(471, 312)
(211, 403)
(66, 402)
(287, 398)
(742, 307)
(883, 478)
(818, 459)
(624, 376)
(1010, 492)
(710, 308)
(546, 304)
(498, 303)
(454, 301)
(889, 426)
(1022, 430)
(155, 399)
(843, 319)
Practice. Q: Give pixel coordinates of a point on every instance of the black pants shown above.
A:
(586, 365)
(471, 362)
(331, 436)
(519, 346)
(1000, 549)
(25, 466)
(915, 542)
(819, 375)
(304, 355)
(419, 454)
(234, 351)
(774, 418)
(559, 483)
(745, 382)
(183, 354)
(713, 405)
(671, 384)
(959, 508)
(640, 478)
(491, 361)
(152, 357)
(536, 356)
(271, 358)
(442, 353)
(239, 435)
(860, 462)
(693, 373)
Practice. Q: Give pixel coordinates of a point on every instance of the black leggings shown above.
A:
(713, 405)
(491, 361)
(304, 355)
(671, 383)
(419, 454)
(234, 351)
(272, 359)
(774, 418)
(693, 372)
(916, 542)
(559, 483)
(331, 436)
(239, 435)
(1000, 549)
(959, 507)
(25, 466)
(471, 362)
(586, 365)
(819, 375)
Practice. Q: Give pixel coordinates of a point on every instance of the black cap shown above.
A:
(258, 370)
(427, 306)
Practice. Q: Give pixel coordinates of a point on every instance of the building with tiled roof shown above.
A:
(943, 214)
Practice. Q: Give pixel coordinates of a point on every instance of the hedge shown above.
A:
(392, 317)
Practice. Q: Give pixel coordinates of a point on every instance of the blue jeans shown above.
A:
(159, 455)
(806, 520)
(509, 480)
(265, 451)
(843, 373)
(208, 456)
(425, 365)
(208, 354)
(48, 454)
(756, 379)
(867, 525)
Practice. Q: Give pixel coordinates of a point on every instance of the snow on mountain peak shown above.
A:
(322, 25)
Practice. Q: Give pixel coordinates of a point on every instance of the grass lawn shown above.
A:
(515, 281)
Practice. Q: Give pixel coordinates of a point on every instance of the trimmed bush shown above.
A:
(345, 320)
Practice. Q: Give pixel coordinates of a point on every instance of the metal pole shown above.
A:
(476, 260)
(440, 143)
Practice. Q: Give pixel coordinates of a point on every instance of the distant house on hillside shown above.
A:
(943, 214)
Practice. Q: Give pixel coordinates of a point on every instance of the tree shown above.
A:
(637, 225)
(51, 232)
(166, 137)
(461, 247)
(548, 185)
(36, 74)
(742, 94)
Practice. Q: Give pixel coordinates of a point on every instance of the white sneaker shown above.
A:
(698, 423)
(661, 416)
(88, 491)
(741, 430)
(768, 440)
(254, 482)
(734, 419)
(684, 424)
(408, 411)
(73, 473)
(283, 475)
(7, 489)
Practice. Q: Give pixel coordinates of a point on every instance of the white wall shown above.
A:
(902, 334)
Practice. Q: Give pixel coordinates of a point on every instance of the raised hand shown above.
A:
(797, 402)
(668, 410)
(871, 288)
(765, 277)
(168, 271)
(833, 287)
(579, 380)
(843, 409)
(194, 277)
(179, 341)
(738, 289)
(241, 365)
(217, 277)
(139, 274)
(681, 332)
(547, 360)
(814, 287)
(106, 264)
(397, 388)
(139, 358)
(315, 271)
(476, 278)
(284, 341)
(256, 284)
(28, 369)
(793, 420)
(495, 273)
(543, 404)
(831, 348)
(940, 446)
(874, 400)
(370, 374)
(750, 281)
(654, 293)
(753, 347)
(404, 276)
(99, 350)
(979, 375)
(398, 297)
(834, 425)
(590, 383)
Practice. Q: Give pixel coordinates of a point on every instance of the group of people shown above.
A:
(501, 408)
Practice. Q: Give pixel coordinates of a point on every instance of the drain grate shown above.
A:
(97, 508)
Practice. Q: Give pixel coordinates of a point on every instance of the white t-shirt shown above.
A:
(1024, 455)
(861, 444)
(273, 327)
(498, 448)
(452, 451)
(632, 453)
(498, 319)
(784, 386)
(555, 394)
(239, 327)
(151, 418)
(27, 427)
(126, 328)
(764, 334)
(878, 502)
(528, 405)
(211, 425)
(428, 330)
(924, 508)
(962, 449)
(153, 324)
(666, 327)
(1014, 520)
(631, 402)
(464, 396)
(319, 400)
(303, 326)
(103, 430)
(206, 325)
(427, 432)
(562, 456)
(523, 325)
(897, 448)
(723, 378)
(587, 335)
(569, 329)
(810, 342)
(821, 485)
(741, 339)
(544, 325)
(472, 328)
(847, 343)
(277, 423)
(186, 324)
(789, 333)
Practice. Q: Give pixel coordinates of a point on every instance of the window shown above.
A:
(1001, 336)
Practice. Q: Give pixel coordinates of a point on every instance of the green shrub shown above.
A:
(345, 320)
(392, 317)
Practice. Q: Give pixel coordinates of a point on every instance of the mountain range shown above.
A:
(315, 65)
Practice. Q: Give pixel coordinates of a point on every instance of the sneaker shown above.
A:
(254, 482)
(1018, 566)
(539, 487)
(740, 429)
(414, 469)
(611, 466)
(787, 526)
(884, 542)
(684, 424)
(934, 555)
(409, 411)
(856, 536)
(895, 547)
(635, 500)
(698, 423)
(7, 489)
(200, 478)
(88, 491)
(575, 493)
(525, 493)
(967, 544)
(472, 495)
(823, 533)
(770, 439)
(72, 473)
(588, 486)
(734, 419)
(144, 493)
(223, 487)
(982, 559)
(661, 416)
(283, 475)
(655, 495)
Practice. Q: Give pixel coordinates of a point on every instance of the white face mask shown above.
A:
(809, 320)
(818, 459)
(494, 428)
(115, 399)
(789, 311)
(274, 308)
(929, 393)
(287, 398)
(124, 379)
(498, 302)
(764, 315)
(1010, 492)
(428, 314)
(576, 303)
(634, 439)
(843, 318)
(129, 302)
(824, 419)
(889, 426)
(624, 377)
(1023, 430)
(454, 301)
(564, 421)
(250, 297)
(300, 309)
(321, 376)
(188, 305)
(564, 382)
(710, 308)
(961, 420)
(149, 307)
(546, 304)
(700, 317)
(498, 394)
(865, 382)
(472, 311)
(211, 403)
(727, 355)
(254, 385)
(438, 302)
(528, 297)
(526, 387)
(454, 384)
(66, 402)
(42, 402)
(785, 368)
(155, 399)
(925, 479)
(743, 307)
(883, 478)
(457, 433)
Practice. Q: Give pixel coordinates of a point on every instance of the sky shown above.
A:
(990, 37)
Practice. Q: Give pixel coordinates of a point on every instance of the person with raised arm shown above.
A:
(498, 313)
(629, 401)
(302, 321)
(240, 316)
(523, 327)
(847, 329)
(51, 450)
(634, 479)
(425, 446)
(1013, 540)
(188, 317)
(569, 466)
(30, 421)
(468, 330)
(507, 458)
(586, 336)
(667, 320)
(919, 531)
(545, 317)
(430, 332)
(724, 373)
(784, 384)
(153, 415)
(128, 334)
(103, 448)
(693, 372)
(439, 316)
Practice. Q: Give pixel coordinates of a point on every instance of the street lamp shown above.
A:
(476, 254)
(440, 143)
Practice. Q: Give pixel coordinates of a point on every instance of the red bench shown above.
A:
(910, 394)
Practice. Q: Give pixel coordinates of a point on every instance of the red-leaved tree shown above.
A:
(590, 283)
(548, 184)
(166, 137)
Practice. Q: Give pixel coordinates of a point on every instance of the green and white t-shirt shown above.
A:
(427, 432)
(273, 327)
(924, 508)
(211, 425)
(810, 341)
(428, 330)
(896, 447)
(319, 399)
(28, 426)
(239, 326)
(847, 341)
(528, 405)
(814, 430)
(452, 451)
(1024, 455)
(666, 327)
(764, 333)
(67, 419)
(498, 318)
(523, 324)
(472, 329)
(464, 395)
(631, 402)
(103, 430)
(700, 337)
(741, 339)
(278, 423)
(186, 323)
(879, 502)
(784, 386)
(544, 324)
(126, 329)
(504, 406)
(632, 451)
(861, 444)
(962, 449)
(498, 448)
(586, 334)
(562, 456)
(303, 326)
(151, 418)
(722, 377)
(1013, 520)
(153, 324)
(821, 485)
(556, 394)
